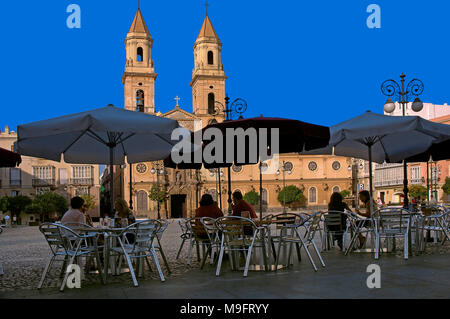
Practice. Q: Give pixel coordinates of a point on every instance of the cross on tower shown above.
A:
(207, 5)
(178, 100)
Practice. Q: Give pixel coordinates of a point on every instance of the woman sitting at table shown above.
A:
(338, 205)
(366, 211)
(208, 208)
(123, 212)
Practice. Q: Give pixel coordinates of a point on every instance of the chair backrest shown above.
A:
(183, 223)
(209, 226)
(164, 224)
(58, 236)
(144, 232)
(286, 220)
(393, 220)
(234, 226)
(333, 221)
(196, 227)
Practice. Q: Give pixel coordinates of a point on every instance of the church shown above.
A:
(317, 176)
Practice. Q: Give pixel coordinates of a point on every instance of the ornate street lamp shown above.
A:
(158, 169)
(237, 107)
(392, 89)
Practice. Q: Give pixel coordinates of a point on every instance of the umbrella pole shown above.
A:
(371, 180)
(230, 201)
(111, 182)
(260, 192)
(405, 185)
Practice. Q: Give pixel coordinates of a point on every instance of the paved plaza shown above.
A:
(24, 252)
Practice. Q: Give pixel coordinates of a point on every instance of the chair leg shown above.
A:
(44, 274)
(277, 259)
(249, 255)
(191, 246)
(155, 259)
(219, 264)
(377, 246)
(163, 256)
(63, 285)
(99, 266)
(406, 247)
(130, 264)
(205, 256)
(310, 258)
(179, 250)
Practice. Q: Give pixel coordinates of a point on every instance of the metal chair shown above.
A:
(65, 242)
(435, 220)
(334, 226)
(185, 234)
(238, 235)
(278, 230)
(141, 248)
(199, 238)
(209, 224)
(358, 226)
(311, 226)
(392, 223)
(159, 234)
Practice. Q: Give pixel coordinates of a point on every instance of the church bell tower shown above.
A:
(139, 76)
(208, 76)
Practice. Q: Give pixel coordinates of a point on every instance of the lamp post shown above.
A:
(284, 168)
(219, 174)
(237, 107)
(403, 95)
(158, 169)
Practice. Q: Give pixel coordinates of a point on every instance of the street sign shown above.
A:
(361, 187)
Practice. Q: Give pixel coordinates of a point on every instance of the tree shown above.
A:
(33, 209)
(345, 193)
(17, 204)
(446, 187)
(50, 204)
(252, 198)
(417, 191)
(293, 195)
(158, 194)
(4, 204)
(89, 201)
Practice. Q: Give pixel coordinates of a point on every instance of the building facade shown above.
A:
(316, 176)
(36, 176)
(388, 178)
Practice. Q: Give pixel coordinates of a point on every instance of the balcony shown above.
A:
(38, 182)
(82, 181)
(417, 181)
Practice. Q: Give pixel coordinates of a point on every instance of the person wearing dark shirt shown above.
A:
(208, 208)
(240, 206)
(335, 206)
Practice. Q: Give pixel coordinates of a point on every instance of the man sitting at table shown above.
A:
(240, 206)
(74, 214)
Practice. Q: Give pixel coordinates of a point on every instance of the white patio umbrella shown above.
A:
(380, 138)
(101, 136)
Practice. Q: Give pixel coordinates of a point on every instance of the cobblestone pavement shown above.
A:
(24, 254)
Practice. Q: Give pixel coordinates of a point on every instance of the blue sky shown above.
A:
(315, 61)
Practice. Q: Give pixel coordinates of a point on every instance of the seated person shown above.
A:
(122, 212)
(74, 215)
(240, 205)
(84, 210)
(364, 197)
(208, 208)
(338, 205)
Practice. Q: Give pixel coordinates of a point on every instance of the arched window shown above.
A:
(142, 203)
(312, 195)
(140, 101)
(336, 189)
(210, 58)
(140, 54)
(211, 102)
